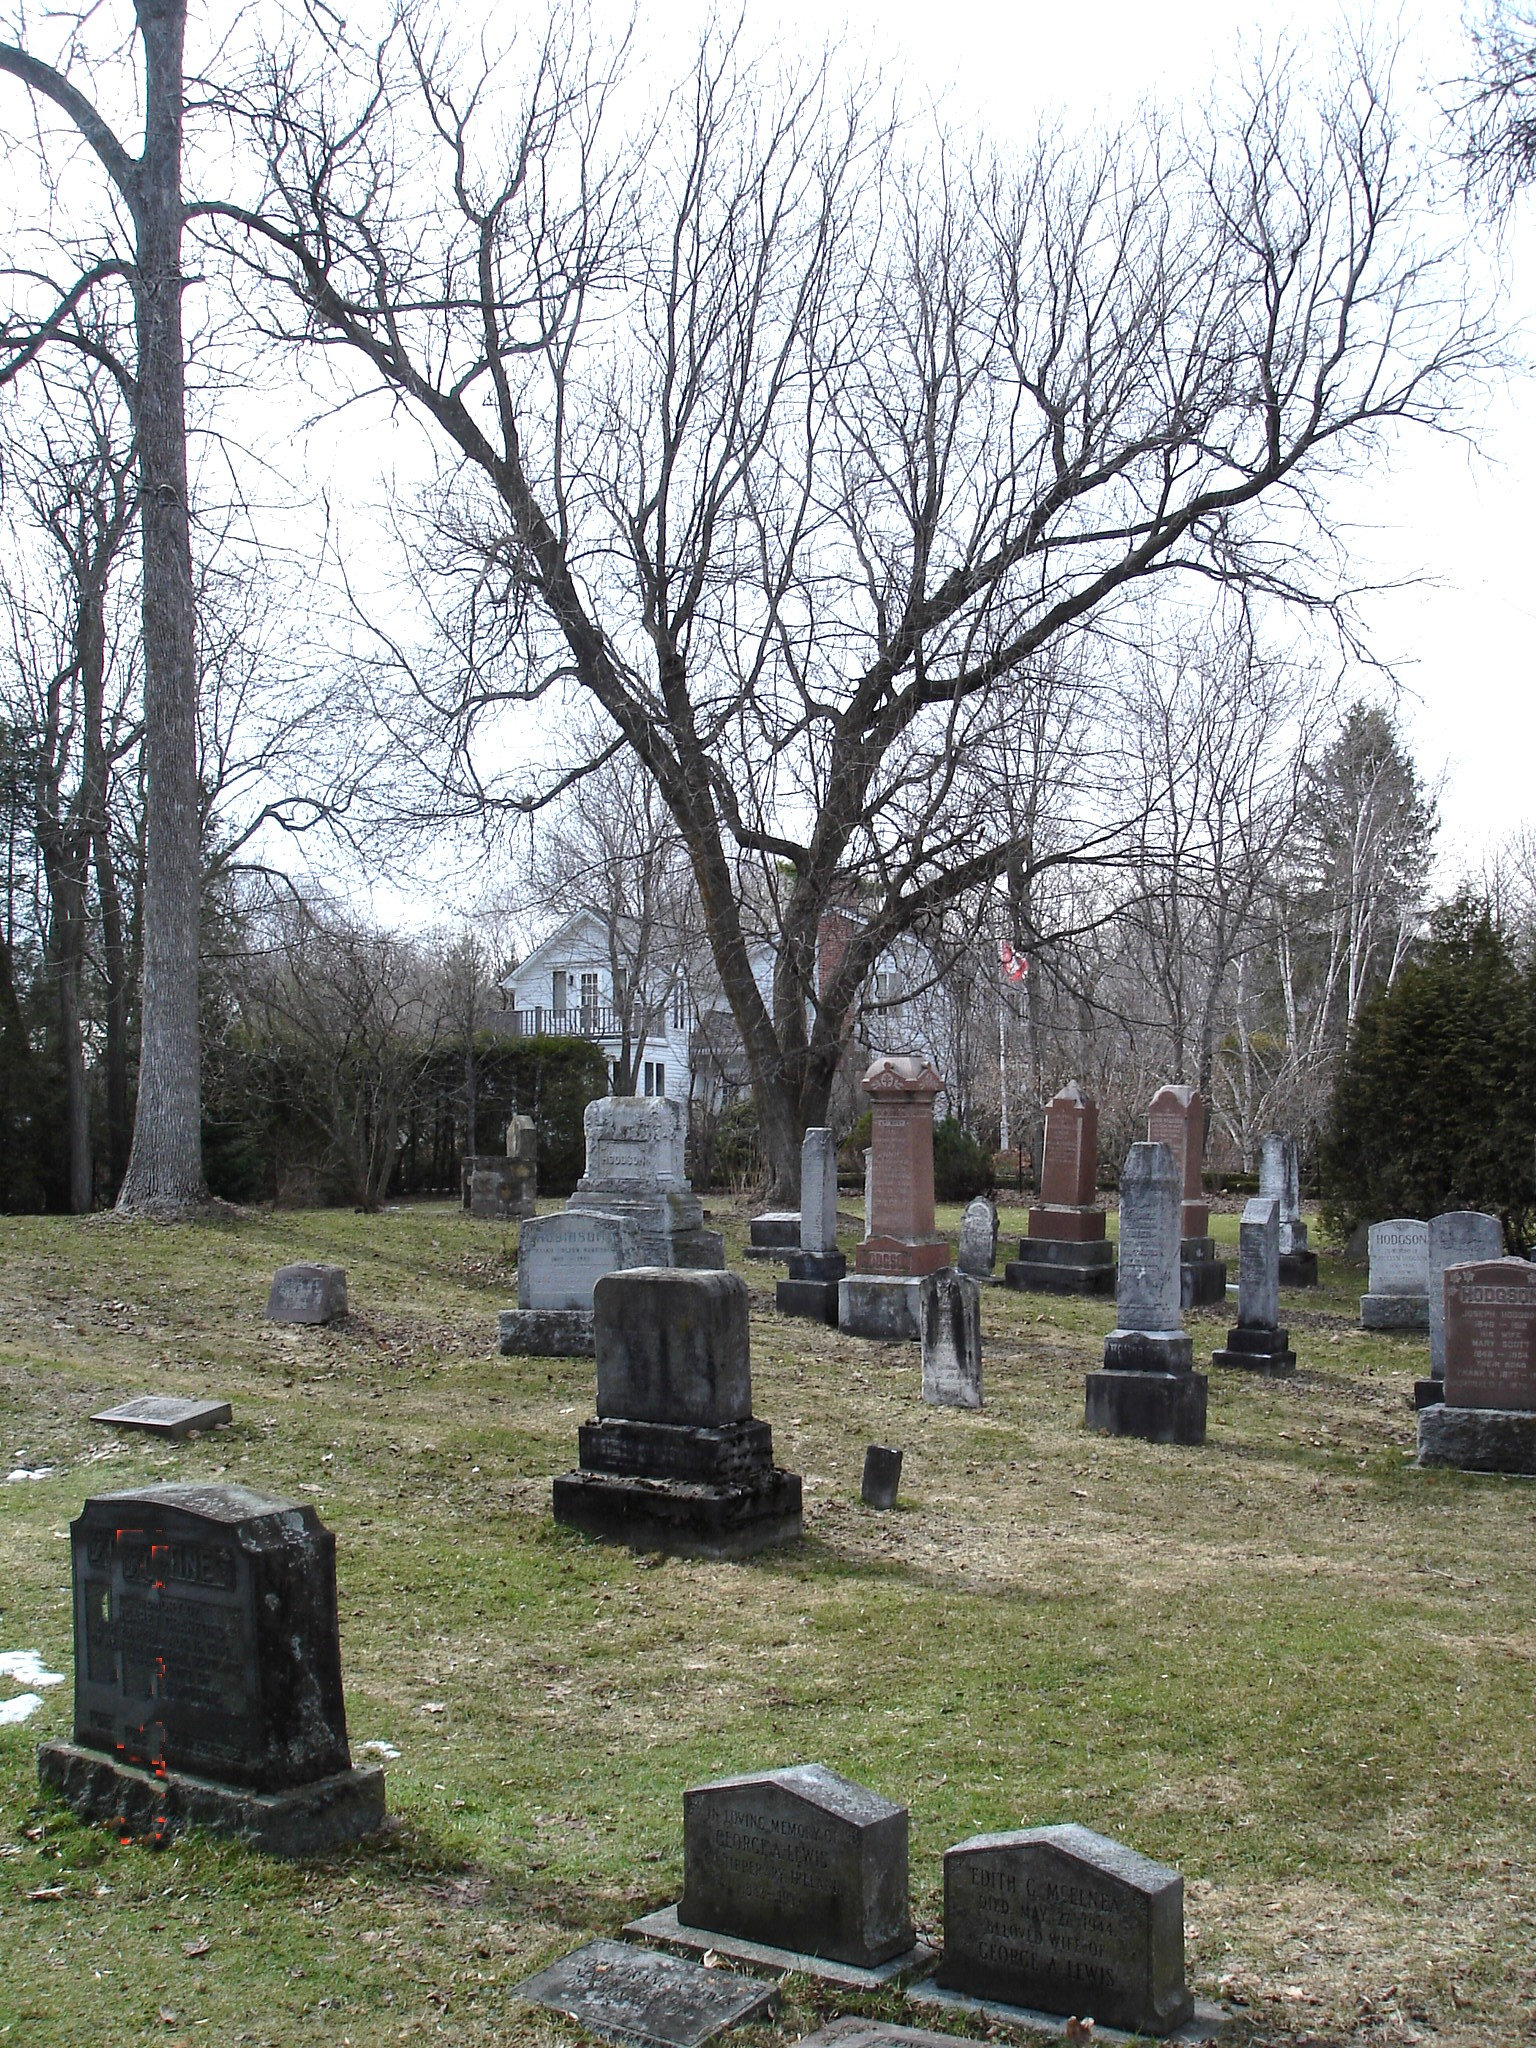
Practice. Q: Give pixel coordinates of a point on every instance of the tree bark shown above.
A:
(165, 1166)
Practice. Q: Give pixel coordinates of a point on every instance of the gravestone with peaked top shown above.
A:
(1486, 1421)
(880, 1298)
(1147, 1387)
(1176, 1119)
(818, 1265)
(1066, 1251)
(1397, 1296)
(1280, 1178)
(675, 1460)
(1258, 1344)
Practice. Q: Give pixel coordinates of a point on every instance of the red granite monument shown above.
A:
(1176, 1119)
(1487, 1421)
(1065, 1251)
(902, 1241)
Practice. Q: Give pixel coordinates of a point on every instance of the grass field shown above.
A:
(1289, 1663)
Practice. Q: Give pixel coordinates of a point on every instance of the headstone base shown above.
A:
(1049, 1265)
(1161, 1407)
(681, 1518)
(1265, 1351)
(1478, 1439)
(545, 1333)
(1298, 1269)
(814, 1300)
(308, 1820)
(773, 1235)
(1148, 1351)
(728, 1454)
(1427, 1392)
(1394, 1312)
(817, 1266)
(667, 1931)
(879, 1306)
(1207, 2026)
(1202, 1276)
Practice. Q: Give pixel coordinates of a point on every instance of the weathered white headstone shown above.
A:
(1146, 1388)
(949, 1330)
(635, 1170)
(1398, 1286)
(818, 1192)
(561, 1258)
(1258, 1344)
(978, 1238)
(1457, 1238)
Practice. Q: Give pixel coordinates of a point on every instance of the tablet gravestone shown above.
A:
(817, 1267)
(800, 1863)
(1147, 1388)
(1280, 1177)
(1177, 1119)
(882, 1476)
(1258, 1344)
(1457, 1238)
(1066, 1251)
(560, 1259)
(1062, 1920)
(978, 1239)
(307, 1294)
(949, 1330)
(675, 1459)
(208, 1673)
(880, 1298)
(1487, 1420)
(1397, 1296)
(503, 1187)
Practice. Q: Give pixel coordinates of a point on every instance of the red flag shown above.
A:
(1015, 966)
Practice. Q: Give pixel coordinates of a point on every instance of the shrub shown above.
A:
(736, 1155)
(962, 1166)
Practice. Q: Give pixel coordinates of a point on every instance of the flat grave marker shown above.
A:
(165, 1415)
(639, 1998)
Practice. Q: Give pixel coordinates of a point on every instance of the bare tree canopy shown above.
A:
(786, 436)
(1497, 109)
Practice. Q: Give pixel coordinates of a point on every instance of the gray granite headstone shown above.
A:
(1064, 1920)
(1459, 1237)
(673, 1347)
(1280, 1176)
(635, 1170)
(637, 1998)
(561, 1258)
(978, 1238)
(165, 1415)
(1258, 1272)
(1399, 1256)
(800, 1859)
(818, 1192)
(307, 1294)
(949, 1331)
(1147, 1283)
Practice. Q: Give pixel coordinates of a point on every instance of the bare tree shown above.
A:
(784, 439)
(1496, 108)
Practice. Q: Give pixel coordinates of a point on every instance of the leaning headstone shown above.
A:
(675, 1459)
(1280, 1177)
(635, 1169)
(165, 1415)
(1487, 1420)
(1258, 1344)
(1066, 1251)
(1061, 1920)
(1398, 1282)
(1176, 1118)
(208, 1673)
(882, 1476)
(949, 1330)
(1457, 1238)
(637, 1998)
(1147, 1387)
(978, 1239)
(307, 1294)
(560, 1260)
(503, 1187)
(798, 1867)
(879, 1299)
(818, 1265)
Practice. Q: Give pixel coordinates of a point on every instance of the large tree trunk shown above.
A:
(165, 1167)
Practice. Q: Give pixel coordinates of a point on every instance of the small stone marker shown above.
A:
(675, 1459)
(1258, 1344)
(882, 1476)
(1176, 1118)
(1146, 1388)
(1398, 1282)
(165, 1415)
(639, 1999)
(1459, 1237)
(1062, 1920)
(1280, 1176)
(802, 1864)
(307, 1294)
(208, 1673)
(1487, 1420)
(1066, 1251)
(978, 1239)
(817, 1266)
(949, 1330)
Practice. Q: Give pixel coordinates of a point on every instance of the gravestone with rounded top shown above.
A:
(1487, 1420)
(1063, 1920)
(1147, 1387)
(978, 1239)
(1065, 1250)
(1258, 1344)
(880, 1298)
(817, 1266)
(675, 1459)
(208, 1672)
(1280, 1177)
(1397, 1296)
(1176, 1118)
(949, 1330)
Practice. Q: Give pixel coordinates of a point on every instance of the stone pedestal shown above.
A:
(1048, 1265)
(675, 1459)
(1266, 1351)
(811, 1289)
(1478, 1439)
(901, 1239)
(1298, 1268)
(886, 1309)
(1147, 1387)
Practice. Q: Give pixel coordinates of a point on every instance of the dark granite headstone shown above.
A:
(207, 1659)
(800, 1859)
(1064, 1920)
(882, 1476)
(307, 1294)
(165, 1415)
(639, 1999)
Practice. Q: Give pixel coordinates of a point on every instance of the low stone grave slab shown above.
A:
(641, 1998)
(165, 1415)
(667, 1931)
(1204, 2029)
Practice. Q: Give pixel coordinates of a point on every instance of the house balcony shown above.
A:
(580, 1020)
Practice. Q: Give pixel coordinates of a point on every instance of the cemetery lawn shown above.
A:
(1289, 1662)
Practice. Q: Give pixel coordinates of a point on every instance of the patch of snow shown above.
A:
(27, 1668)
(29, 1472)
(387, 1750)
(22, 1708)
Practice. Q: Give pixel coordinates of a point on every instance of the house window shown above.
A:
(885, 987)
(655, 1077)
(559, 988)
(589, 993)
(679, 1007)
